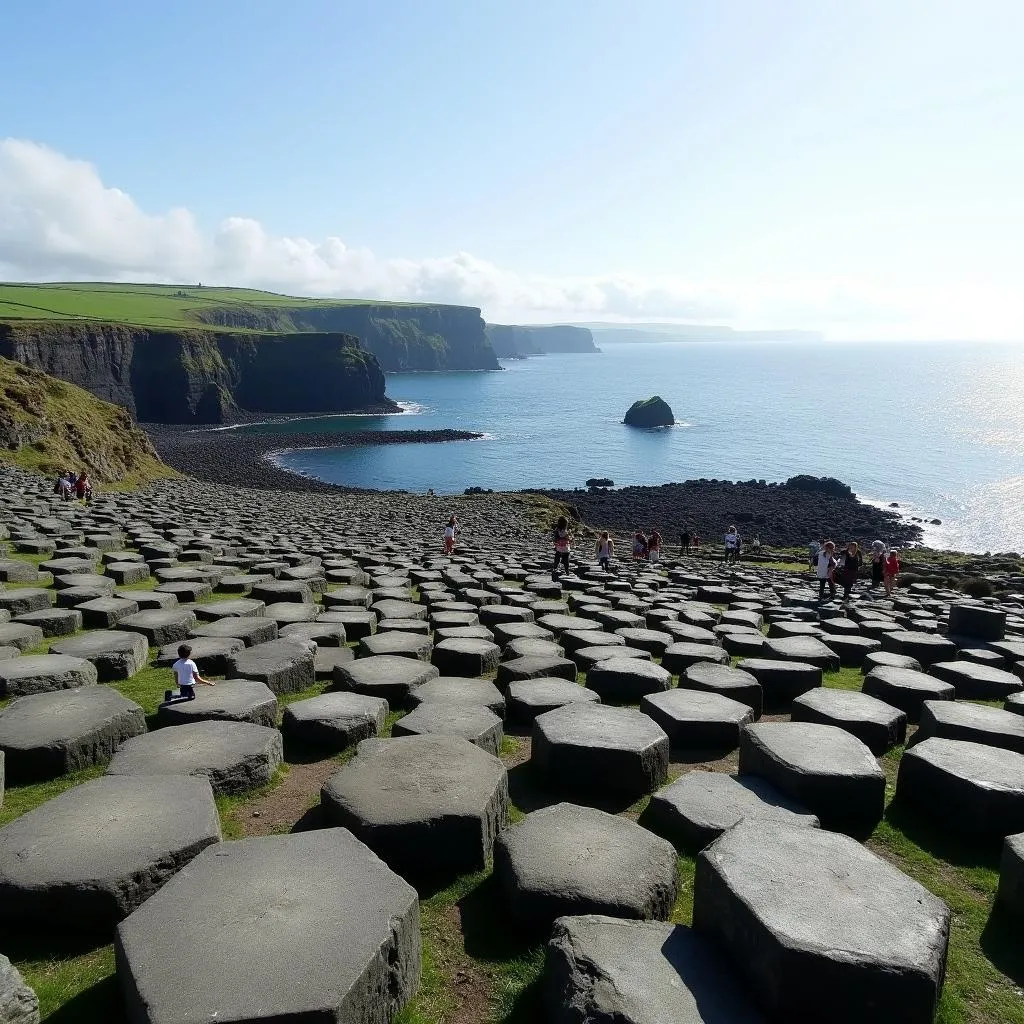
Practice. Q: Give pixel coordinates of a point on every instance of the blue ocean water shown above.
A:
(937, 428)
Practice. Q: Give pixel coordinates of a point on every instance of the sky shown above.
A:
(849, 166)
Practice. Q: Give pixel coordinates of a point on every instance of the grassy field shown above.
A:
(145, 305)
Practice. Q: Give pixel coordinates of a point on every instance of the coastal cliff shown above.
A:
(402, 337)
(200, 376)
(515, 342)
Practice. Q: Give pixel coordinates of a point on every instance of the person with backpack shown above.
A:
(562, 540)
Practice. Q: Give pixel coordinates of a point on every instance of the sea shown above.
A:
(936, 428)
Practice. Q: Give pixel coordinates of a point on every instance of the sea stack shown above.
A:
(650, 412)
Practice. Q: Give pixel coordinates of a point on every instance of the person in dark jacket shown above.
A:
(849, 568)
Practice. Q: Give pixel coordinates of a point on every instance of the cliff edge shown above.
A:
(514, 342)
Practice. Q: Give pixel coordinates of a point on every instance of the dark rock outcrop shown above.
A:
(185, 376)
(650, 412)
(514, 342)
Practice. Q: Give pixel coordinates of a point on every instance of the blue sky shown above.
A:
(850, 165)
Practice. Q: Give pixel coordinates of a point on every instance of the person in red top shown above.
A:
(890, 570)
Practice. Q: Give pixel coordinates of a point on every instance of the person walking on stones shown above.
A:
(813, 550)
(890, 571)
(654, 546)
(826, 567)
(684, 542)
(639, 546)
(187, 673)
(605, 550)
(449, 535)
(83, 489)
(732, 545)
(877, 563)
(562, 539)
(849, 568)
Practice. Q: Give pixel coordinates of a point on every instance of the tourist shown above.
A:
(449, 535)
(605, 550)
(813, 550)
(826, 567)
(654, 546)
(732, 545)
(639, 546)
(684, 542)
(562, 539)
(187, 673)
(755, 545)
(849, 568)
(83, 489)
(877, 563)
(890, 571)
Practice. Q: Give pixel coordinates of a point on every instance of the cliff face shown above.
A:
(401, 337)
(513, 342)
(172, 376)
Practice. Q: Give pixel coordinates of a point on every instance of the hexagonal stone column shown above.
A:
(695, 720)
(310, 926)
(729, 682)
(969, 789)
(627, 680)
(430, 806)
(1011, 876)
(50, 734)
(781, 681)
(115, 654)
(40, 673)
(829, 771)
(231, 700)
(979, 622)
(532, 697)
(465, 657)
(285, 666)
(475, 723)
(599, 752)
(954, 720)
(459, 690)
(699, 806)
(385, 675)
(333, 721)
(605, 969)
(567, 859)
(876, 724)
(977, 682)
(160, 625)
(87, 858)
(905, 688)
(234, 756)
(822, 928)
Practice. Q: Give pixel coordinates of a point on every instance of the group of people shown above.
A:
(845, 567)
(73, 485)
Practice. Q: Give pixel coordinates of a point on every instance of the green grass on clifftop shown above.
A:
(50, 425)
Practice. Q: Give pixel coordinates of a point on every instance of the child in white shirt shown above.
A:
(187, 673)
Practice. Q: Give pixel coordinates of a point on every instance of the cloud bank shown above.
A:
(59, 221)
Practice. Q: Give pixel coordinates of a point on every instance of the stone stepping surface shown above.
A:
(234, 756)
(695, 720)
(600, 968)
(781, 681)
(333, 721)
(397, 643)
(323, 634)
(472, 722)
(727, 681)
(210, 654)
(953, 720)
(532, 697)
(161, 626)
(969, 789)
(53, 621)
(89, 857)
(976, 621)
(327, 659)
(927, 648)
(906, 689)
(115, 654)
(807, 649)
(386, 676)
(286, 666)
(598, 752)
(105, 612)
(344, 944)
(699, 806)
(39, 673)
(679, 656)
(231, 700)
(251, 631)
(567, 859)
(27, 599)
(878, 725)
(627, 680)
(534, 667)
(459, 690)
(429, 806)
(973, 681)
(465, 657)
(821, 928)
(50, 734)
(826, 769)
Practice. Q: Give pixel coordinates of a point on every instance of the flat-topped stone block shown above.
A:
(251, 631)
(878, 725)
(115, 654)
(1011, 876)
(821, 928)
(906, 689)
(927, 648)
(852, 650)
(429, 806)
(473, 722)
(954, 720)
(465, 657)
(386, 676)
(679, 656)
(105, 612)
(18, 1003)
(397, 643)
(127, 573)
(210, 653)
(284, 613)
(160, 625)
(234, 756)
(53, 621)
(971, 789)
(87, 858)
(323, 634)
(977, 621)
(334, 721)
(534, 667)
(459, 690)
(14, 571)
(781, 681)
(282, 591)
(828, 770)
(806, 649)
(20, 635)
(532, 697)
(40, 673)
(286, 666)
(699, 806)
(231, 700)
(25, 599)
(627, 680)
(973, 681)
(50, 734)
(698, 720)
(600, 968)
(389, 608)
(242, 608)
(599, 752)
(567, 859)
(347, 947)
(725, 680)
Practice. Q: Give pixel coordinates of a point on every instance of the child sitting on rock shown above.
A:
(187, 673)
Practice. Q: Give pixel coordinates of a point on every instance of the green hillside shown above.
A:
(154, 305)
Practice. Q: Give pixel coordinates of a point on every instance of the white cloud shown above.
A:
(59, 221)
